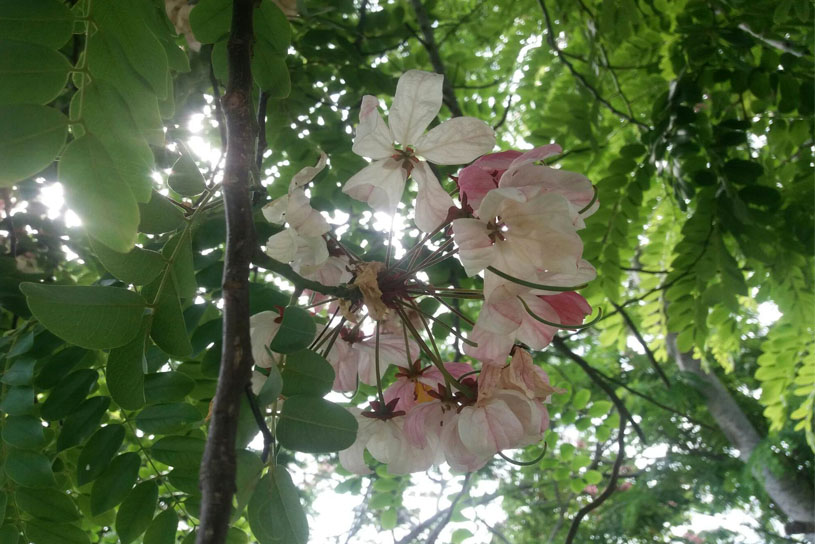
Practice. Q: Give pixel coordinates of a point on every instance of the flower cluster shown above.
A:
(516, 225)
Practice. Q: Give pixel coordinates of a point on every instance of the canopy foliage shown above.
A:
(694, 119)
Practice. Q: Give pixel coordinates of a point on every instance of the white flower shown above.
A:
(263, 327)
(395, 150)
(301, 243)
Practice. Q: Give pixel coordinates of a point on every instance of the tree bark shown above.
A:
(218, 464)
(793, 496)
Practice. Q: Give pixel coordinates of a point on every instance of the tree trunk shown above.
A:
(794, 497)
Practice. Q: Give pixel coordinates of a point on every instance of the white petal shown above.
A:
(312, 253)
(282, 246)
(432, 202)
(416, 104)
(456, 141)
(275, 211)
(475, 247)
(380, 184)
(306, 220)
(262, 329)
(373, 138)
(308, 173)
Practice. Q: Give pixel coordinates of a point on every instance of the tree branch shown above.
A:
(429, 43)
(612, 483)
(550, 37)
(648, 353)
(431, 539)
(592, 373)
(218, 464)
(283, 269)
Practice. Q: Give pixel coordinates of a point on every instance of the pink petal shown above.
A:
(474, 183)
(570, 307)
(497, 161)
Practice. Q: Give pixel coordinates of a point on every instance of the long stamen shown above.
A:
(378, 373)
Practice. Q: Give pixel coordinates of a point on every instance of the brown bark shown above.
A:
(218, 464)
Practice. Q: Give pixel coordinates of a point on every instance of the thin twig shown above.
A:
(550, 37)
(268, 439)
(648, 353)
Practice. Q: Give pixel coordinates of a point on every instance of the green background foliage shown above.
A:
(693, 118)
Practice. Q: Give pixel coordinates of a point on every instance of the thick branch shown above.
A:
(429, 43)
(218, 464)
(793, 495)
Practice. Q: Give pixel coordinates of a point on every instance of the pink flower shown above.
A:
(517, 169)
(504, 318)
(396, 149)
(625, 486)
(591, 490)
(354, 354)
(690, 536)
(415, 385)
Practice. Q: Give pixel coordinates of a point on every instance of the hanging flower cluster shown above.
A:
(516, 225)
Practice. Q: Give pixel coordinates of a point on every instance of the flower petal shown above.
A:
(308, 173)
(282, 246)
(263, 327)
(380, 184)
(432, 202)
(416, 104)
(456, 141)
(275, 211)
(475, 248)
(306, 220)
(373, 138)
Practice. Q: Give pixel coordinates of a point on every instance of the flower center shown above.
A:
(497, 229)
(407, 157)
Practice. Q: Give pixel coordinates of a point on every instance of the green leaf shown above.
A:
(24, 432)
(210, 20)
(581, 399)
(307, 373)
(167, 418)
(20, 372)
(82, 422)
(9, 534)
(168, 329)
(98, 194)
(134, 516)
(167, 387)
(31, 73)
(179, 451)
(178, 249)
(145, 54)
(269, 71)
(115, 482)
(272, 387)
(593, 477)
(159, 215)
(46, 504)
(29, 468)
(742, 172)
(314, 425)
(185, 178)
(92, 317)
(600, 408)
(31, 137)
(55, 533)
(275, 513)
(162, 529)
(124, 372)
(19, 400)
(249, 469)
(98, 452)
(460, 535)
(68, 394)
(388, 519)
(45, 22)
(272, 27)
(107, 116)
(296, 331)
